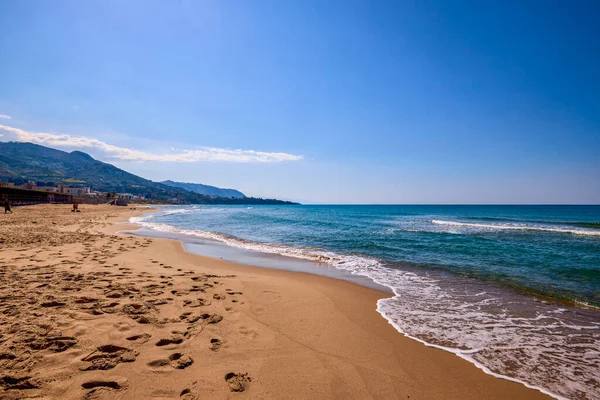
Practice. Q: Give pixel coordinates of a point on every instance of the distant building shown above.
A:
(7, 184)
(62, 188)
(28, 185)
(130, 197)
(48, 189)
(79, 191)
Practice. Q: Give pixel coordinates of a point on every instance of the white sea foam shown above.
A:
(139, 220)
(554, 350)
(288, 251)
(520, 227)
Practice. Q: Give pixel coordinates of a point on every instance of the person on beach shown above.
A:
(7, 206)
(75, 207)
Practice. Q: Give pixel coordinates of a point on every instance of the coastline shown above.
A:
(218, 250)
(296, 335)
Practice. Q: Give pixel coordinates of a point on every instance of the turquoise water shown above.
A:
(463, 276)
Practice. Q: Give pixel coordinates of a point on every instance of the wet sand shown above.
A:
(87, 313)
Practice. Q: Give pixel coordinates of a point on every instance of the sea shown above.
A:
(513, 289)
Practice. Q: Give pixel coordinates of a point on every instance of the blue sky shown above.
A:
(317, 101)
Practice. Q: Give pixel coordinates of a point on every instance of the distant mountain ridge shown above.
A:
(21, 162)
(205, 189)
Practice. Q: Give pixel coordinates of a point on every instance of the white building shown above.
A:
(130, 197)
(80, 191)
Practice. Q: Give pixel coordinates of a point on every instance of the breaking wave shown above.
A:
(520, 227)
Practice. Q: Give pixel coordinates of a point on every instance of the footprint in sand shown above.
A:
(110, 307)
(86, 300)
(186, 394)
(99, 389)
(107, 357)
(135, 309)
(101, 384)
(180, 360)
(187, 316)
(57, 344)
(248, 332)
(122, 326)
(190, 318)
(17, 382)
(138, 312)
(175, 360)
(7, 356)
(162, 362)
(158, 302)
(174, 339)
(191, 331)
(53, 303)
(140, 339)
(211, 318)
(205, 286)
(237, 382)
(199, 302)
(146, 320)
(116, 294)
(215, 344)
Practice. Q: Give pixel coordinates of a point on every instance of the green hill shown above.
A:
(22, 162)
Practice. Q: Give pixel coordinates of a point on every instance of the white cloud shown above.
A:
(4, 116)
(125, 154)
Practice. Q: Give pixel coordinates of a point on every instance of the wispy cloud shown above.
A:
(125, 154)
(4, 116)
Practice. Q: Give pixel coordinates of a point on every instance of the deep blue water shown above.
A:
(447, 265)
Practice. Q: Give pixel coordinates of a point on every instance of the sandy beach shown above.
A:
(89, 313)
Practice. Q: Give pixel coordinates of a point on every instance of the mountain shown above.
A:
(205, 189)
(37, 163)
(23, 162)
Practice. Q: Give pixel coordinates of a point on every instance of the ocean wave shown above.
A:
(521, 227)
(179, 211)
(582, 224)
(483, 325)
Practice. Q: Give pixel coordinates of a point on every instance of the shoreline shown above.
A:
(467, 354)
(218, 250)
(282, 334)
(383, 294)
